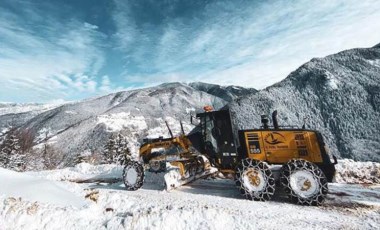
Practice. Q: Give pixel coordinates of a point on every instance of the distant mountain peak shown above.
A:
(172, 84)
(228, 93)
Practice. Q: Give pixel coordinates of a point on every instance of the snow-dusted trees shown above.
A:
(116, 149)
(51, 157)
(11, 155)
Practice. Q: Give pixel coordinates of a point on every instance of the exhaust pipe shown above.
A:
(274, 119)
(264, 121)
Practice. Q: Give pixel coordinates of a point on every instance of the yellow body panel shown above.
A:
(181, 141)
(279, 146)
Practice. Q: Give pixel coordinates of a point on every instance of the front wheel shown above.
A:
(304, 182)
(255, 180)
(133, 175)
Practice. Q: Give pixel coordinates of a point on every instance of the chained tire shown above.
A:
(133, 175)
(255, 180)
(304, 182)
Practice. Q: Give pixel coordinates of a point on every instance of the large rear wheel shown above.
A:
(304, 182)
(255, 180)
(133, 175)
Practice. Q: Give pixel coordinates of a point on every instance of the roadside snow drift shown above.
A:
(203, 204)
(352, 172)
(14, 184)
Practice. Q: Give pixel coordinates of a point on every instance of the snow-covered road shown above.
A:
(204, 204)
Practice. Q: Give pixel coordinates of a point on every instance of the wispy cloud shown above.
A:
(239, 42)
(42, 57)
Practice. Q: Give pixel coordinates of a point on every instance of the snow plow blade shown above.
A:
(173, 178)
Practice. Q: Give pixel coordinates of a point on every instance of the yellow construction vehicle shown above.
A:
(295, 158)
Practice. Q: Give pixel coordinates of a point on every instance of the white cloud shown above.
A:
(48, 64)
(246, 43)
(44, 57)
(107, 86)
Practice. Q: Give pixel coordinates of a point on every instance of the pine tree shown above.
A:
(110, 150)
(116, 150)
(123, 155)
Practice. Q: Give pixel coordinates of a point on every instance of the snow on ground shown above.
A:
(80, 171)
(14, 184)
(204, 204)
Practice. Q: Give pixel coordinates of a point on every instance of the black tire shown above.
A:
(255, 180)
(304, 182)
(157, 166)
(133, 175)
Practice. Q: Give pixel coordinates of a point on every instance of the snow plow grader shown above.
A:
(261, 160)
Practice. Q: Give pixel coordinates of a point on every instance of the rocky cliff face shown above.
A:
(339, 93)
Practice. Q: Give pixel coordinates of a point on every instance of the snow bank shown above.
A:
(204, 204)
(81, 171)
(349, 171)
(14, 184)
(215, 204)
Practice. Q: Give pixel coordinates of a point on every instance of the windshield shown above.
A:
(208, 129)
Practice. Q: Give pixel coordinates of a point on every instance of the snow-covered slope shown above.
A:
(204, 204)
(339, 93)
(16, 114)
(14, 184)
(15, 108)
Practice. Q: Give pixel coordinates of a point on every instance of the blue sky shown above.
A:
(74, 49)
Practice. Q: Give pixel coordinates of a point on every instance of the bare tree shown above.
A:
(26, 140)
(51, 157)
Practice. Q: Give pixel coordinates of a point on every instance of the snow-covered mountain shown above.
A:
(339, 93)
(16, 114)
(86, 125)
(16, 108)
